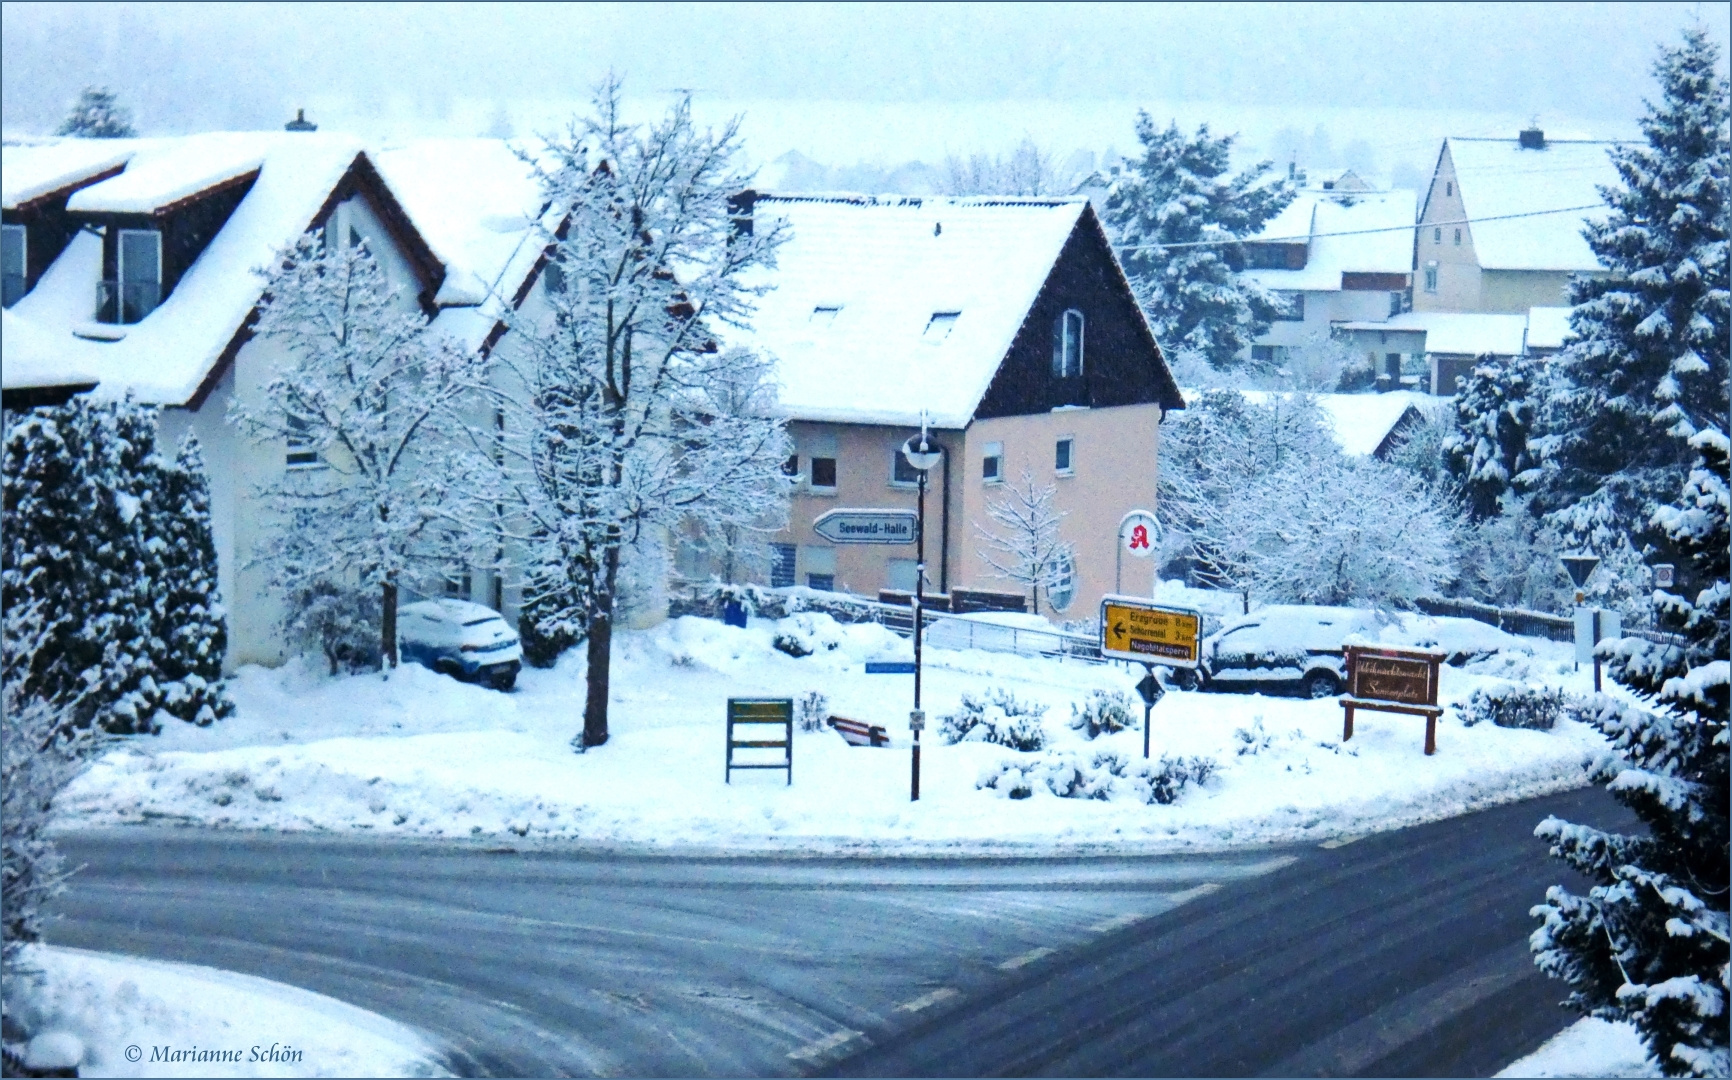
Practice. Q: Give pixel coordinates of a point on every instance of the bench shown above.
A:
(761, 712)
(859, 733)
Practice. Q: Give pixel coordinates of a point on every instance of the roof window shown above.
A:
(137, 290)
(939, 326)
(825, 314)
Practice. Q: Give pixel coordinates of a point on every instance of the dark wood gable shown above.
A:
(48, 227)
(1122, 364)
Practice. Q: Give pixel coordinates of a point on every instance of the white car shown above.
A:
(460, 639)
(1283, 647)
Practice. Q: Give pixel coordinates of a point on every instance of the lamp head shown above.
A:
(922, 451)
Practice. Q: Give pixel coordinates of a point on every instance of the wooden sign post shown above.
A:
(1393, 680)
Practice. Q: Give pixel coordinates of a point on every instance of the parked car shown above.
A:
(1283, 648)
(460, 639)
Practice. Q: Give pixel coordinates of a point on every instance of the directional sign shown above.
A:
(1136, 629)
(889, 667)
(1138, 534)
(867, 526)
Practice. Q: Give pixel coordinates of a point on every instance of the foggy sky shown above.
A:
(423, 68)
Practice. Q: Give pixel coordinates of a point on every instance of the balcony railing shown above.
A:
(126, 301)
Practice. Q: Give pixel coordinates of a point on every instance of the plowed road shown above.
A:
(1398, 954)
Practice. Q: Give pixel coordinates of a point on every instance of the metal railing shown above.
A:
(126, 301)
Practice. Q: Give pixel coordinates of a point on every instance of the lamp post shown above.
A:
(923, 453)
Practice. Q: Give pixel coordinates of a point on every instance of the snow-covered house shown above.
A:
(1367, 425)
(153, 290)
(1501, 225)
(1008, 324)
(1336, 254)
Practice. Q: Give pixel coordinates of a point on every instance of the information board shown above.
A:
(1133, 628)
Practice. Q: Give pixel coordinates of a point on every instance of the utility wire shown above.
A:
(1357, 232)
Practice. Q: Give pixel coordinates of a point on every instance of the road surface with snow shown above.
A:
(1401, 953)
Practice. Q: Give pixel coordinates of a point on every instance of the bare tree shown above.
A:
(1029, 549)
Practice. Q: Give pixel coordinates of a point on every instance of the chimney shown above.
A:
(1532, 138)
(740, 211)
(300, 122)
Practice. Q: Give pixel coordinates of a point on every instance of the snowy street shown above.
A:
(1396, 952)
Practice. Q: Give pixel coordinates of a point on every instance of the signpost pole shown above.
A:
(1147, 706)
(1596, 650)
(919, 604)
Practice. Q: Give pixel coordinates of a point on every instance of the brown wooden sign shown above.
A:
(1392, 680)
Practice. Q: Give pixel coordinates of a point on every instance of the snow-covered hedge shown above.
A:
(1070, 775)
(1105, 712)
(808, 633)
(1512, 705)
(998, 717)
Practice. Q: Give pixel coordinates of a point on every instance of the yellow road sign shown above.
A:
(1136, 629)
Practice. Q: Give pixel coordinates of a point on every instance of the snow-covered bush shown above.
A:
(1513, 705)
(811, 710)
(807, 633)
(1075, 775)
(998, 717)
(1162, 781)
(1252, 740)
(340, 623)
(1105, 712)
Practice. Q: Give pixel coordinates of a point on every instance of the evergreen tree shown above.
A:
(1650, 368)
(97, 115)
(1494, 419)
(1177, 195)
(1648, 943)
(193, 632)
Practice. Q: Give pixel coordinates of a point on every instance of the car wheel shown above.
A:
(505, 681)
(446, 667)
(1183, 679)
(1321, 684)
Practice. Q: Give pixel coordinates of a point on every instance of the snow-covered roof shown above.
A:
(887, 265)
(1468, 333)
(1497, 177)
(1361, 421)
(471, 199)
(1321, 214)
(162, 172)
(1548, 326)
(28, 172)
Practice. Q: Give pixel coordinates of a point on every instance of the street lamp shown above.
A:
(923, 453)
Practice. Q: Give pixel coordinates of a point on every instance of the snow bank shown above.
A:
(1589, 1047)
(125, 1016)
(419, 754)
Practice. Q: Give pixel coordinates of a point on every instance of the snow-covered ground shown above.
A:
(123, 1016)
(418, 754)
(1589, 1047)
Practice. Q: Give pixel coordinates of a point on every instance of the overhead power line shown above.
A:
(1359, 232)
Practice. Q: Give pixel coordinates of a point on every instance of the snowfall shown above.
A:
(418, 755)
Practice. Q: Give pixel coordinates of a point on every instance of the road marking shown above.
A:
(1118, 922)
(829, 1044)
(1191, 894)
(1340, 841)
(926, 1001)
(1026, 958)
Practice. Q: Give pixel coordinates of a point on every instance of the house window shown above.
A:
(301, 454)
(824, 473)
(1437, 236)
(782, 565)
(992, 463)
(1067, 345)
(1061, 590)
(1395, 301)
(1063, 460)
(1458, 238)
(13, 262)
(459, 584)
(901, 472)
(791, 467)
(1431, 277)
(939, 326)
(1290, 306)
(1449, 187)
(821, 582)
(140, 284)
(1262, 354)
(820, 566)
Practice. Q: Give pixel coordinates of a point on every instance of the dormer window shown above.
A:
(14, 249)
(137, 289)
(825, 314)
(1067, 345)
(939, 326)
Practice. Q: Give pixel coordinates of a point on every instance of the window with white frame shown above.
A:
(1067, 345)
(1064, 456)
(14, 262)
(140, 274)
(1062, 588)
(1431, 276)
(992, 463)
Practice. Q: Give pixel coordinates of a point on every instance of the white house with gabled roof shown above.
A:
(138, 277)
(1008, 325)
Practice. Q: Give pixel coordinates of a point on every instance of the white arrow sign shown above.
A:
(867, 526)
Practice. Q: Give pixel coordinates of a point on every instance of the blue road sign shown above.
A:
(889, 667)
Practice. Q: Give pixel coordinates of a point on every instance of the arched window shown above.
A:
(1067, 345)
(1061, 589)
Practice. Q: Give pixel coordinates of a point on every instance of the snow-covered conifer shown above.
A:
(623, 417)
(1181, 218)
(373, 399)
(1649, 941)
(97, 114)
(192, 627)
(1495, 414)
(1026, 547)
(1650, 368)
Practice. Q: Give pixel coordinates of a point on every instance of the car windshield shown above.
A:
(483, 619)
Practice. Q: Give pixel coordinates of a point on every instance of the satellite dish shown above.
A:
(1580, 567)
